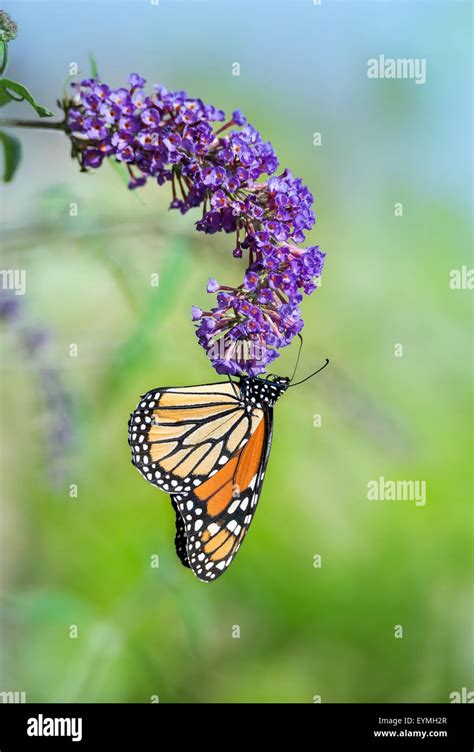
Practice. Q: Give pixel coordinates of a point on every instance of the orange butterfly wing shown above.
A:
(180, 436)
(217, 515)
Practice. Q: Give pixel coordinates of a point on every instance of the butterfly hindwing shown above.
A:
(218, 514)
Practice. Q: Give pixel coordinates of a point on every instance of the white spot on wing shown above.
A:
(233, 506)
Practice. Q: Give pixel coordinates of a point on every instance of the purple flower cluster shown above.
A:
(171, 137)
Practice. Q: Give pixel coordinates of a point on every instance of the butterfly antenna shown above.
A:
(236, 391)
(297, 357)
(311, 374)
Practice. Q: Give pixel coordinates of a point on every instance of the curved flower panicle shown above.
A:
(172, 138)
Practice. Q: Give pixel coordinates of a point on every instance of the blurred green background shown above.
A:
(305, 631)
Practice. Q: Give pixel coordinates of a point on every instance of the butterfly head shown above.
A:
(281, 382)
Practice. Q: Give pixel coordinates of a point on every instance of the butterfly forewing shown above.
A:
(182, 436)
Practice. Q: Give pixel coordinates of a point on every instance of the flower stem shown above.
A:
(45, 124)
(4, 63)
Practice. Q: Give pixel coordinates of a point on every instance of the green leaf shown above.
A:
(4, 97)
(17, 92)
(93, 64)
(11, 155)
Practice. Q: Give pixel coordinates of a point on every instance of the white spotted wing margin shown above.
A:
(212, 541)
(180, 436)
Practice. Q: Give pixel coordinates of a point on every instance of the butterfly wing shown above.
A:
(182, 436)
(218, 514)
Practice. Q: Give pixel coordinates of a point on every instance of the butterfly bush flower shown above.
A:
(230, 172)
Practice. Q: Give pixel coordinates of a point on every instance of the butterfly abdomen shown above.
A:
(180, 537)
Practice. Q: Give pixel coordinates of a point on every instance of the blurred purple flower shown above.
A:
(57, 432)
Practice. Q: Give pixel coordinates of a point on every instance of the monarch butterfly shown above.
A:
(208, 447)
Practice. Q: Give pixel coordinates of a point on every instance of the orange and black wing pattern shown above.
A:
(180, 437)
(208, 448)
(217, 515)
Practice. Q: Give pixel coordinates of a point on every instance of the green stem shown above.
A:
(44, 124)
(4, 63)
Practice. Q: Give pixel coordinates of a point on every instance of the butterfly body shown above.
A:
(208, 447)
(261, 392)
